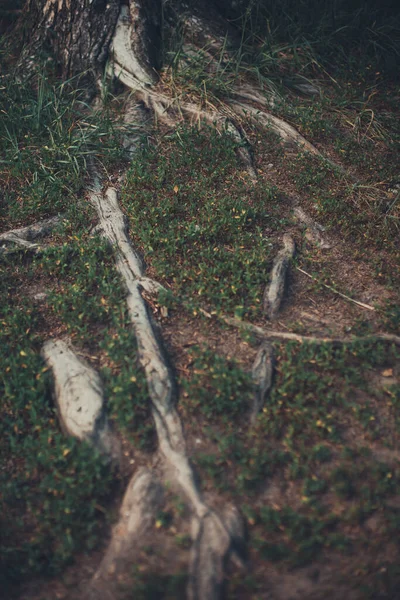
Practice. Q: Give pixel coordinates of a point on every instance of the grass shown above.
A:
(201, 226)
(47, 135)
(55, 491)
(301, 443)
(321, 463)
(51, 486)
(218, 388)
(334, 34)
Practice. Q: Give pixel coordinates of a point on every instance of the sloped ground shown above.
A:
(316, 473)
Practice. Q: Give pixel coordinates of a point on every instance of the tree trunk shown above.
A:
(79, 33)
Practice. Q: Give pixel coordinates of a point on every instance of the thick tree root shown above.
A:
(24, 237)
(274, 292)
(313, 231)
(79, 398)
(285, 131)
(210, 532)
(262, 373)
(128, 69)
(251, 94)
(142, 500)
(125, 63)
(214, 541)
(168, 112)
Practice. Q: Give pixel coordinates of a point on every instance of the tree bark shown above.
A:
(77, 33)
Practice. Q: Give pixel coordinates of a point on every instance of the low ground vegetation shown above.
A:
(317, 475)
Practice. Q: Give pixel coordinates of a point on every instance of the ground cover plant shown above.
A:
(271, 439)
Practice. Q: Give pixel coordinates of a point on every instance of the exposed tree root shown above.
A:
(250, 94)
(24, 237)
(262, 373)
(168, 111)
(313, 231)
(210, 532)
(274, 292)
(285, 131)
(79, 398)
(142, 500)
(165, 110)
(128, 69)
(216, 536)
(128, 64)
(269, 334)
(214, 541)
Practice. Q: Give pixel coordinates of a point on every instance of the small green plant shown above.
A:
(218, 387)
(53, 487)
(207, 243)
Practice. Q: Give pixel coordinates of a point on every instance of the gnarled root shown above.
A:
(79, 398)
(214, 541)
(204, 583)
(24, 237)
(274, 292)
(142, 500)
(286, 336)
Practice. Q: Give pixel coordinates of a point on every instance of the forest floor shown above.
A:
(316, 474)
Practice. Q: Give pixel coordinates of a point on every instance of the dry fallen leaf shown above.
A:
(387, 373)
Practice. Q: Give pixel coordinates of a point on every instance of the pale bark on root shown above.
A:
(142, 501)
(24, 237)
(274, 292)
(262, 374)
(79, 398)
(127, 69)
(162, 390)
(313, 231)
(17, 245)
(285, 336)
(166, 109)
(250, 94)
(213, 542)
(125, 64)
(285, 131)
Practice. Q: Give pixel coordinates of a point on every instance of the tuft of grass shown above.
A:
(47, 134)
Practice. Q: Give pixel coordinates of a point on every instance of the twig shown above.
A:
(329, 287)
(262, 333)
